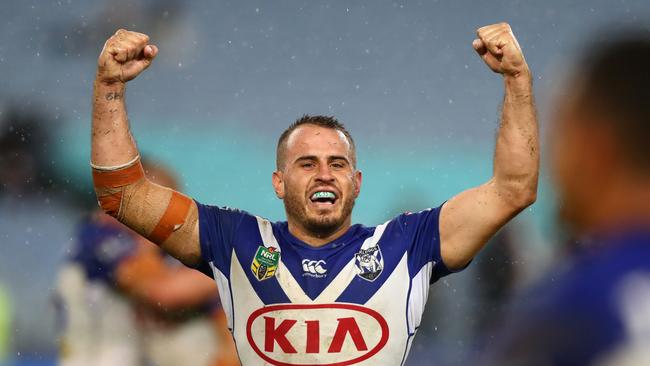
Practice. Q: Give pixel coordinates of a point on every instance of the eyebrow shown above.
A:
(329, 158)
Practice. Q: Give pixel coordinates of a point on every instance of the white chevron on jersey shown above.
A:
(363, 312)
(223, 285)
(289, 284)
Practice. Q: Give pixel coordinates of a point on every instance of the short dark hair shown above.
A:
(320, 121)
(615, 78)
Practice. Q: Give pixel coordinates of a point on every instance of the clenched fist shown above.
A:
(498, 47)
(124, 56)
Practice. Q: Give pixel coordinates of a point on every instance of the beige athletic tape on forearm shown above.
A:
(173, 218)
(120, 195)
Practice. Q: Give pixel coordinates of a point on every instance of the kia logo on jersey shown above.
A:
(316, 334)
(313, 268)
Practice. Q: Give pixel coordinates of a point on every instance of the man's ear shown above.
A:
(358, 178)
(278, 184)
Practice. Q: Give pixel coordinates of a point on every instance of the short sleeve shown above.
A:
(422, 231)
(217, 229)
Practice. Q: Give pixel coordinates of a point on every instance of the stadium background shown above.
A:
(230, 76)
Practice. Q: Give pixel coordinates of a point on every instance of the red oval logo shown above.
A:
(316, 334)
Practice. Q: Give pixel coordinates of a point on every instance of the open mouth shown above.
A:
(323, 197)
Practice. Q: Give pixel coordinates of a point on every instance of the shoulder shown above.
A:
(412, 225)
(409, 218)
(224, 210)
(602, 270)
(226, 218)
(590, 285)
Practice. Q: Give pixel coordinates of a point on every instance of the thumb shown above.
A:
(479, 47)
(150, 51)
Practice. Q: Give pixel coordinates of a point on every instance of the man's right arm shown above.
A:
(165, 217)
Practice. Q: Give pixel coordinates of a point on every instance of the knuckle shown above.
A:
(134, 43)
(127, 41)
(142, 36)
(118, 42)
(129, 46)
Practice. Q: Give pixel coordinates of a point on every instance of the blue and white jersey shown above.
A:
(97, 323)
(99, 248)
(357, 300)
(595, 310)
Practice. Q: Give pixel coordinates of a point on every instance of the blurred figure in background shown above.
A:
(37, 208)
(466, 309)
(24, 152)
(5, 323)
(126, 303)
(496, 278)
(595, 310)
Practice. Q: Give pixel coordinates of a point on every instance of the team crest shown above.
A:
(265, 262)
(369, 263)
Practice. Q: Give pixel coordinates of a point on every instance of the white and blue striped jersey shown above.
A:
(357, 300)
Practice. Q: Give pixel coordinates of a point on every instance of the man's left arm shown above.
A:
(469, 219)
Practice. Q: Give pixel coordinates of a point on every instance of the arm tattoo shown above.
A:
(113, 96)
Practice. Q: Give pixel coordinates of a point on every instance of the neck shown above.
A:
(626, 205)
(317, 239)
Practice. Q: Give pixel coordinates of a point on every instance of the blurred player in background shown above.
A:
(5, 322)
(317, 289)
(126, 303)
(595, 310)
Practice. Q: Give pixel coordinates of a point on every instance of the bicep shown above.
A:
(145, 204)
(469, 219)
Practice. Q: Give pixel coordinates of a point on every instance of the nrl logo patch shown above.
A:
(265, 263)
(369, 263)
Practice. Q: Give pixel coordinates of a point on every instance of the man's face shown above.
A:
(317, 180)
(565, 160)
(580, 161)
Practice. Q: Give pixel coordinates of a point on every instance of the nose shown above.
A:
(324, 173)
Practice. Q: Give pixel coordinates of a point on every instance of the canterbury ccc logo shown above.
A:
(314, 267)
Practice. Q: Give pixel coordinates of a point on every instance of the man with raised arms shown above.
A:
(316, 289)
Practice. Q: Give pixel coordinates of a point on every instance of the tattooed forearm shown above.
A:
(114, 96)
(111, 139)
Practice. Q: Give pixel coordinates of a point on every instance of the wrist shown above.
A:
(103, 82)
(109, 90)
(520, 84)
